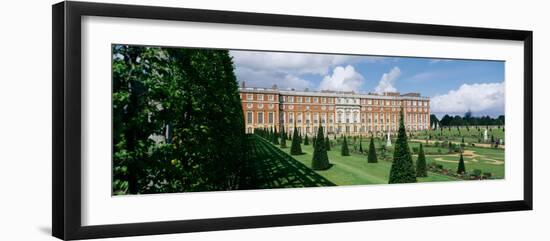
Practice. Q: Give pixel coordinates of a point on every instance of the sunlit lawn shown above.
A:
(354, 169)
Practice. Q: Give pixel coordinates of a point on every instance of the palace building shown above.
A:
(338, 112)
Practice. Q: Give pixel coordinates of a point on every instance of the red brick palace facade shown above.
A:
(338, 112)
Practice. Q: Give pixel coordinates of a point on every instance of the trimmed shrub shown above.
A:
(320, 158)
(402, 169)
(372, 152)
(345, 150)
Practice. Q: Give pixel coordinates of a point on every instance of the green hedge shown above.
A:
(187, 97)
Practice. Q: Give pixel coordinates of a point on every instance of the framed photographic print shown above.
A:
(170, 120)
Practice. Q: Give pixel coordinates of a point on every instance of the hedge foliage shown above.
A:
(177, 120)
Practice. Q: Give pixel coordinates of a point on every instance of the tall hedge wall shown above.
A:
(187, 97)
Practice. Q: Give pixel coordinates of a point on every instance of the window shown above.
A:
(308, 118)
(308, 99)
(331, 107)
(290, 117)
(290, 99)
(270, 118)
(290, 107)
(315, 100)
(298, 99)
(316, 118)
(270, 97)
(324, 100)
(299, 117)
(260, 117)
(307, 107)
(249, 117)
(339, 117)
(355, 118)
(261, 106)
(369, 102)
(271, 106)
(323, 107)
(331, 119)
(260, 97)
(249, 105)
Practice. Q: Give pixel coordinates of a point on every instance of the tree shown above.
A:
(306, 141)
(275, 137)
(283, 137)
(345, 150)
(190, 98)
(295, 148)
(461, 168)
(360, 146)
(421, 169)
(327, 143)
(402, 169)
(372, 152)
(320, 158)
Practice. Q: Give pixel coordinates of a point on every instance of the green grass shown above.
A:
(470, 134)
(486, 159)
(354, 169)
(274, 167)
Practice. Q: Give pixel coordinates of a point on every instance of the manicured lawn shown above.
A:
(485, 159)
(270, 167)
(471, 134)
(354, 169)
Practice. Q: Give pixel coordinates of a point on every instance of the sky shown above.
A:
(454, 86)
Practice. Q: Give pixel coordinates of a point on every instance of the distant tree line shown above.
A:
(178, 123)
(467, 120)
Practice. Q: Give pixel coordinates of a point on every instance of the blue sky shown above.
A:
(454, 86)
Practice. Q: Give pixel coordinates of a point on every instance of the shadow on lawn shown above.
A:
(270, 167)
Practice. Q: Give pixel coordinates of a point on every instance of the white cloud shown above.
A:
(387, 81)
(435, 61)
(292, 63)
(479, 98)
(342, 79)
(287, 70)
(266, 79)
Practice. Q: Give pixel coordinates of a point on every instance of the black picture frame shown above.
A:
(66, 127)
